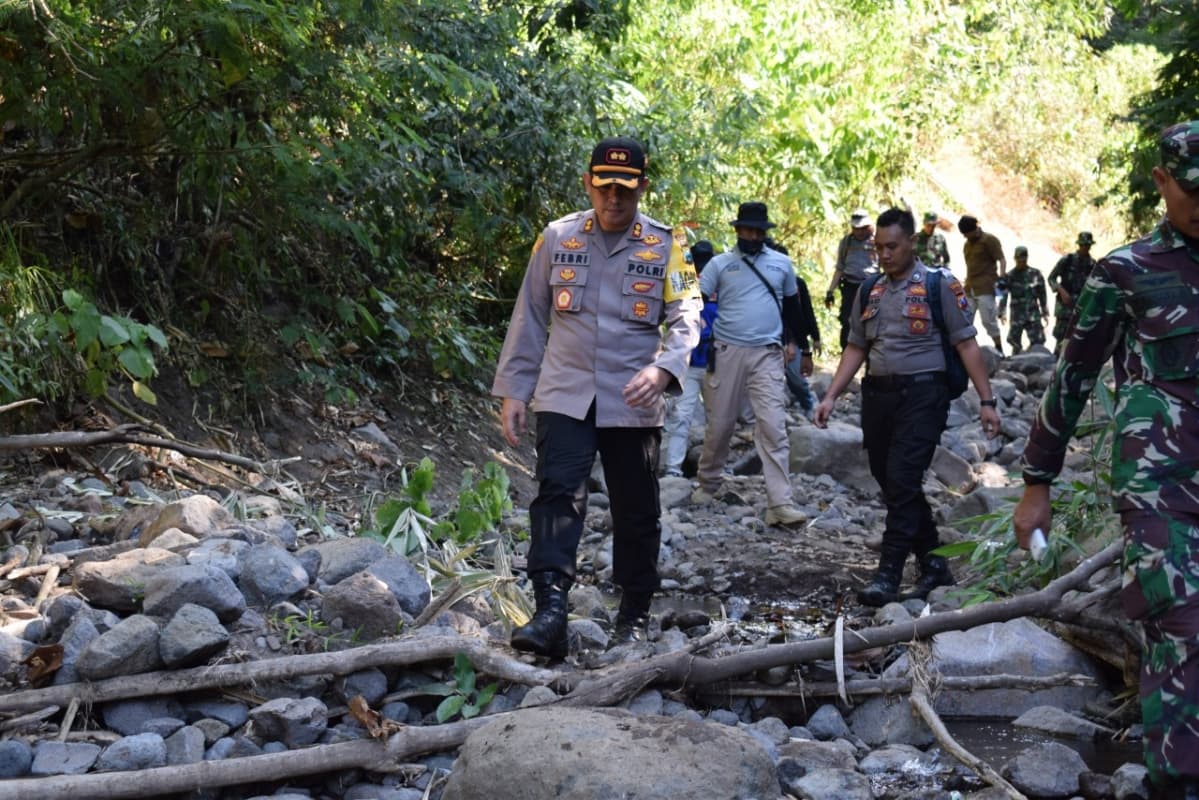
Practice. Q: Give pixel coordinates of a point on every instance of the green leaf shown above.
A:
(157, 336)
(72, 299)
(486, 694)
(113, 331)
(464, 674)
(956, 549)
(435, 689)
(85, 321)
(95, 383)
(449, 707)
(137, 361)
(142, 392)
(470, 710)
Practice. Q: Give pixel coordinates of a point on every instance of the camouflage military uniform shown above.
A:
(931, 249)
(1026, 288)
(1141, 306)
(1070, 273)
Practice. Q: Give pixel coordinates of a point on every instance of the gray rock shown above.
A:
(270, 575)
(128, 649)
(220, 553)
(129, 717)
(78, 635)
(1053, 720)
(293, 721)
(185, 746)
(889, 720)
(894, 758)
(232, 747)
(163, 726)
(341, 558)
(142, 751)
(410, 588)
(827, 723)
(822, 784)
(538, 695)
(63, 758)
(170, 589)
(213, 730)
(192, 636)
(281, 528)
(648, 701)
(362, 603)
(722, 716)
(16, 757)
(199, 515)
(576, 754)
(813, 755)
(773, 729)
(835, 451)
(120, 583)
(952, 470)
(13, 651)
(230, 712)
(1046, 770)
(1131, 782)
(586, 634)
(370, 684)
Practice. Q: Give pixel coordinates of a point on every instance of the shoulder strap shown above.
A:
(765, 282)
(867, 285)
(932, 281)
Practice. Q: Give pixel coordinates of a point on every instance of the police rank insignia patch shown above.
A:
(563, 299)
(589, 225)
(918, 326)
(640, 308)
(918, 290)
(537, 244)
(567, 274)
(960, 293)
(652, 239)
(916, 311)
(647, 255)
(642, 286)
(572, 243)
(637, 230)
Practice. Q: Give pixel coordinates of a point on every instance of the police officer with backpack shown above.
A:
(904, 335)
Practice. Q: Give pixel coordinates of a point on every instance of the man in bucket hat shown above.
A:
(756, 289)
(1066, 281)
(606, 318)
(1140, 307)
(855, 260)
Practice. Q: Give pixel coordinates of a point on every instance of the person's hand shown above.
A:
(829, 299)
(1032, 512)
(1044, 316)
(805, 365)
(644, 388)
(817, 348)
(823, 410)
(990, 420)
(789, 351)
(1003, 318)
(513, 419)
(1067, 300)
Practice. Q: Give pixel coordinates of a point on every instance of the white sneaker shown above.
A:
(785, 515)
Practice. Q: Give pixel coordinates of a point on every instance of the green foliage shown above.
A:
(462, 696)
(1082, 517)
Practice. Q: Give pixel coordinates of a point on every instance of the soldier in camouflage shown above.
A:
(1140, 306)
(1030, 306)
(931, 248)
(1066, 280)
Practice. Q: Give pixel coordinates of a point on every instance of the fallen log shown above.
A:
(122, 434)
(366, 754)
(685, 670)
(419, 650)
(902, 685)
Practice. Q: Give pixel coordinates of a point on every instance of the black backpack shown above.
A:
(955, 370)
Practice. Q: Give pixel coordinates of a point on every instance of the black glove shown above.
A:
(829, 298)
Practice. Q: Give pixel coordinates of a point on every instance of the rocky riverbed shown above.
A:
(107, 582)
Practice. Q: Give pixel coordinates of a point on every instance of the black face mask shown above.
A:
(750, 247)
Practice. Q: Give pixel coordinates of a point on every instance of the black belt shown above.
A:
(891, 383)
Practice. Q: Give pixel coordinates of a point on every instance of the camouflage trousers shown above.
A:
(1161, 590)
(1021, 325)
(1062, 315)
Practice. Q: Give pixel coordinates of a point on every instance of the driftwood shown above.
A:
(682, 670)
(367, 754)
(407, 651)
(122, 434)
(872, 686)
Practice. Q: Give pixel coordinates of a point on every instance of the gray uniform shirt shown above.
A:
(750, 315)
(896, 325)
(587, 320)
(856, 257)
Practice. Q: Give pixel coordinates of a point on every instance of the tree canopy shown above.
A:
(357, 184)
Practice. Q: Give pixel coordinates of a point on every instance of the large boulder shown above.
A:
(835, 451)
(574, 754)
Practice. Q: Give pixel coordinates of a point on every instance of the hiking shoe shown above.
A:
(673, 473)
(785, 515)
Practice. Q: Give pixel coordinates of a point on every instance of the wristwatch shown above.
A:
(993, 403)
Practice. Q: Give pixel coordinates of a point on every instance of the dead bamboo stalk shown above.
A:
(872, 686)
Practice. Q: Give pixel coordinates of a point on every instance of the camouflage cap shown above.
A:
(931, 216)
(1021, 250)
(1085, 237)
(1179, 145)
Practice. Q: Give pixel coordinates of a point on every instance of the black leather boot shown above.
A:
(934, 572)
(632, 621)
(884, 586)
(545, 634)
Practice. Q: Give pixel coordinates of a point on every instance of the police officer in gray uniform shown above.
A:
(604, 323)
(855, 260)
(905, 398)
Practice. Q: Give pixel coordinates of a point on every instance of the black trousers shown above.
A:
(849, 290)
(566, 449)
(902, 421)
